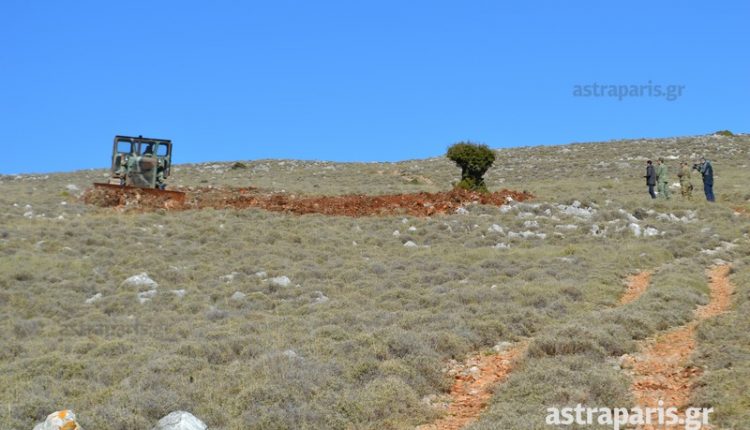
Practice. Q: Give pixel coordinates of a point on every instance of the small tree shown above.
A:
(474, 160)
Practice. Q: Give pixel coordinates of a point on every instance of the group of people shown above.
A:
(659, 177)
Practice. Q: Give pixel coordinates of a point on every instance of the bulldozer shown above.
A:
(142, 165)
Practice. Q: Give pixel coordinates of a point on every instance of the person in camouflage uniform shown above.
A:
(662, 179)
(160, 184)
(686, 187)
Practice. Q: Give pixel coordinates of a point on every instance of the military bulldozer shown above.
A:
(142, 164)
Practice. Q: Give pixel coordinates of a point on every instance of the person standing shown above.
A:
(662, 179)
(707, 172)
(686, 187)
(650, 178)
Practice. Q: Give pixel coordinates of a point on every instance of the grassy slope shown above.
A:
(365, 357)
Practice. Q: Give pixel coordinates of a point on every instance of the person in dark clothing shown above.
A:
(650, 178)
(707, 172)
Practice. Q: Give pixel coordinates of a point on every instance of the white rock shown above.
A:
(72, 188)
(412, 228)
(576, 211)
(290, 353)
(628, 215)
(321, 298)
(502, 346)
(229, 278)
(526, 234)
(501, 245)
(261, 274)
(59, 420)
(180, 420)
(179, 293)
(93, 298)
(410, 244)
(404, 220)
(396, 233)
(494, 228)
(566, 227)
(238, 296)
(531, 224)
(140, 280)
(281, 281)
(650, 231)
(145, 296)
(462, 211)
(635, 228)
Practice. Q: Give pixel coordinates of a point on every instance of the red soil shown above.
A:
(417, 204)
(637, 285)
(471, 391)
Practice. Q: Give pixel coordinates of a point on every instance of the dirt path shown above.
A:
(475, 378)
(660, 370)
(637, 285)
(472, 386)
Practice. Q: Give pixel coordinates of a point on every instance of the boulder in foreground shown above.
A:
(180, 420)
(60, 420)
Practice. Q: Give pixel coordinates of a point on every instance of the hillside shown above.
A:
(273, 320)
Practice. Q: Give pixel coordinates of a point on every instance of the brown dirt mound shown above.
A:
(417, 204)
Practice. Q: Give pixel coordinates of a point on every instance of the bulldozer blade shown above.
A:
(170, 198)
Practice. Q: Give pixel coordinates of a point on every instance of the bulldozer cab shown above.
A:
(140, 161)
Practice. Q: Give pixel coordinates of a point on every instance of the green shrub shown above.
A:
(474, 160)
(724, 133)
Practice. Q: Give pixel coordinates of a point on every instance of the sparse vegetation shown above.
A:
(724, 133)
(360, 335)
(474, 160)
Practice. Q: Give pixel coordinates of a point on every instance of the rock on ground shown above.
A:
(180, 420)
(145, 296)
(281, 281)
(60, 420)
(141, 280)
(93, 298)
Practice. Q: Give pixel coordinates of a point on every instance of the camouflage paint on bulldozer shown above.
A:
(140, 161)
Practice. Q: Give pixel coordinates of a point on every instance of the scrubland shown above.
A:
(277, 321)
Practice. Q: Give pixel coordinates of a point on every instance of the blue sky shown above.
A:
(357, 80)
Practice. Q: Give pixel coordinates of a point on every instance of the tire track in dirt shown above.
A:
(475, 378)
(660, 370)
(472, 387)
(636, 285)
